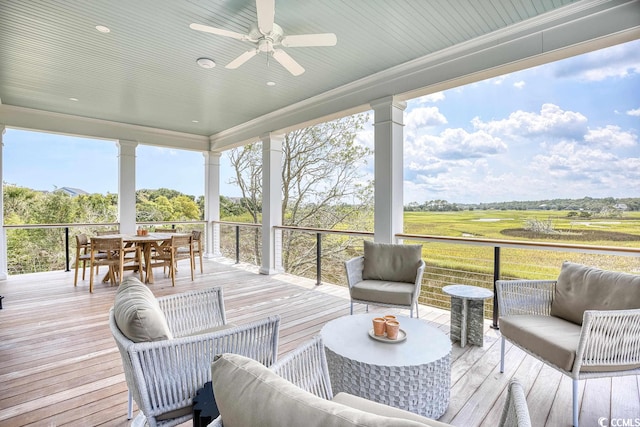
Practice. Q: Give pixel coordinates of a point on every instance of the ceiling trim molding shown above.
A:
(578, 28)
(66, 124)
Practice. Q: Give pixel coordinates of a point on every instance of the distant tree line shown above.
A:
(587, 206)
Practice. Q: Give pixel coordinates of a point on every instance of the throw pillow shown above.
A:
(138, 314)
(581, 288)
(391, 262)
(250, 394)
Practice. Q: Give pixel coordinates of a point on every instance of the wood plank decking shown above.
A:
(60, 366)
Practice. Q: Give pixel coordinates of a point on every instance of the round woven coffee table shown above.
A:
(414, 374)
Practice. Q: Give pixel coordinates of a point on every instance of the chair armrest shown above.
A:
(168, 373)
(525, 296)
(419, 274)
(307, 368)
(191, 312)
(515, 411)
(609, 338)
(354, 268)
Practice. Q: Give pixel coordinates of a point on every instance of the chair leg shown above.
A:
(575, 403)
(417, 310)
(130, 406)
(502, 355)
(351, 308)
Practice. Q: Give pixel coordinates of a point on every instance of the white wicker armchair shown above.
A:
(354, 268)
(163, 376)
(607, 342)
(306, 367)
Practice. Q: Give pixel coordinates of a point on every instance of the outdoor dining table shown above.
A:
(147, 244)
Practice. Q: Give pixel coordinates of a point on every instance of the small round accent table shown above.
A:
(467, 313)
(414, 374)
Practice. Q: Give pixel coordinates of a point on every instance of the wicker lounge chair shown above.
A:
(164, 375)
(387, 275)
(306, 368)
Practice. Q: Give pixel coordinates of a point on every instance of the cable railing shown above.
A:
(450, 260)
(320, 254)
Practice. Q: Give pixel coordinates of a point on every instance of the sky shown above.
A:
(567, 129)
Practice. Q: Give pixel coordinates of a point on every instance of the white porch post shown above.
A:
(212, 203)
(271, 203)
(127, 186)
(388, 165)
(4, 270)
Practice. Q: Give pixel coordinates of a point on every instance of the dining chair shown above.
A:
(112, 252)
(83, 255)
(197, 248)
(166, 230)
(106, 232)
(180, 247)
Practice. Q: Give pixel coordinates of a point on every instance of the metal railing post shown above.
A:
(66, 247)
(237, 244)
(496, 277)
(318, 259)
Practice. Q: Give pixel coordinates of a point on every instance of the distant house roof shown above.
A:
(621, 206)
(73, 191)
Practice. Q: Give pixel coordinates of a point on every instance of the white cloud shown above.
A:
(635, 112)
(609, 137)
(519, 85)
(431, 98)
(423, 117)
(552, 120)
(617, 61)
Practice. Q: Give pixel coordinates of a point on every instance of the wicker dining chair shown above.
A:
(111, 251)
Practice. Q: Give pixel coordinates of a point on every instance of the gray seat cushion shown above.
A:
(551, 338)
(399, 293)
(249, 394)
(392, 263)
(581, 288)
(384, 410)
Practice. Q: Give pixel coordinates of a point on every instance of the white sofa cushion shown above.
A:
(249, 394)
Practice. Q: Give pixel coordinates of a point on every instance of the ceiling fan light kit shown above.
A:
(266, 35)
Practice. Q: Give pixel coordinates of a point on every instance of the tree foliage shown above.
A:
(323, 186)
(42, 249)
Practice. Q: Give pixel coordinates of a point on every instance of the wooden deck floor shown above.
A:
(60, 366)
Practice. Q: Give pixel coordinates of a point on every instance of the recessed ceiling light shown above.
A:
(271, 83)
(73, 99)
(195, 121)
(103, 29)
(206, 62)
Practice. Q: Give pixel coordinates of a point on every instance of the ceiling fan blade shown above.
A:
(305, 40)
(218, 31)
(241, 59)
(266, 15)
(288, 62)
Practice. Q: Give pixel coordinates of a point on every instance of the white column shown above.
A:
(271, 203)
(4, 269)
(212, 203)
(127, 186)
(388, 165)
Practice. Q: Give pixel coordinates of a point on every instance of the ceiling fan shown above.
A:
(266, 35)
